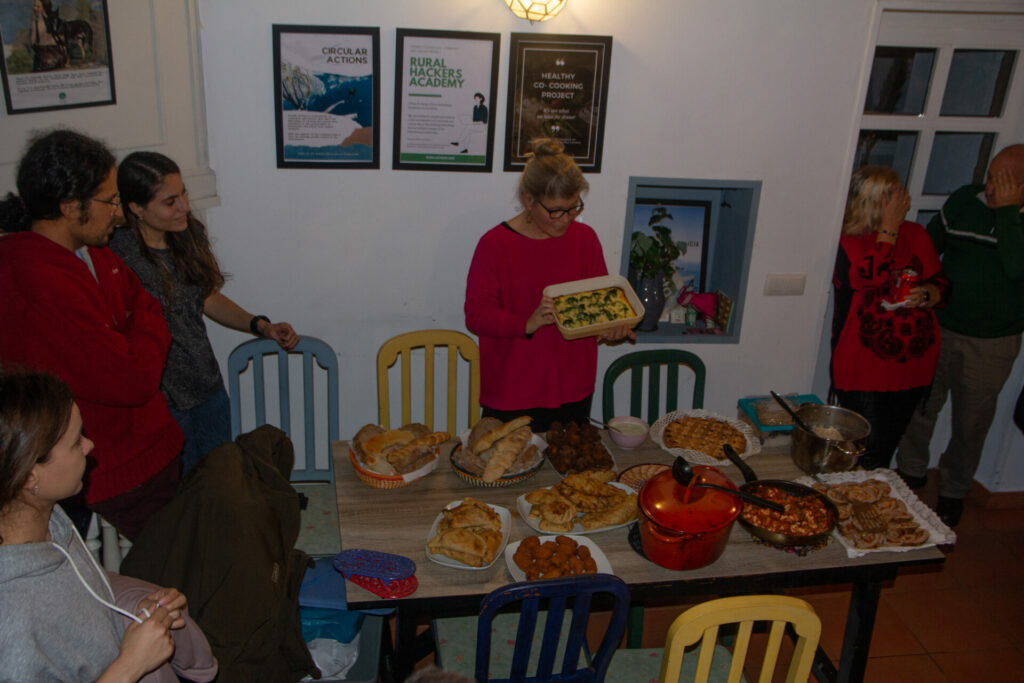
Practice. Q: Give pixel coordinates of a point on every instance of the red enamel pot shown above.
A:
(686, 528)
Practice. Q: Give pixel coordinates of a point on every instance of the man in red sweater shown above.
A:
(71, 307)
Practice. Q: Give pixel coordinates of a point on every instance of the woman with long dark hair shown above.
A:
(168, 248)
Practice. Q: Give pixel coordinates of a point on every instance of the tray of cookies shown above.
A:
(910, 523)
(698, 435)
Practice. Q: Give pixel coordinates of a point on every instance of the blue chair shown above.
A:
(312, 350)
(652, 362)
(562, 639)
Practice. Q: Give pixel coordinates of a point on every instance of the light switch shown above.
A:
(784, 284)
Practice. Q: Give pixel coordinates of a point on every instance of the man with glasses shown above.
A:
(71, 307)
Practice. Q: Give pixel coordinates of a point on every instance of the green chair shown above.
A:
(637, 364)
(651, 362)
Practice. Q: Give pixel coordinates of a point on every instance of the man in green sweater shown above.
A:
(979, 235)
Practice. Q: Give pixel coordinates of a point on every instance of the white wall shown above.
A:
(726, 89)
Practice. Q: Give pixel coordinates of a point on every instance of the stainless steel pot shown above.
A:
(814, 453)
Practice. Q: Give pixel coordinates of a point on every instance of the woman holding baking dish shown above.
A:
(885, 337)
(526, 367)
(65, 618)
(169, 250)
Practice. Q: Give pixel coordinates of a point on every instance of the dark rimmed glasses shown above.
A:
(572, 211)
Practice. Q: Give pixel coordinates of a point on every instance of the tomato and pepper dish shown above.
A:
(803, 515)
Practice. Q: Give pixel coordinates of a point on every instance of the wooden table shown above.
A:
(399, 520)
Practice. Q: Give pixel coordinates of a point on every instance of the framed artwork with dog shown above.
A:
(56, 55)
(445, 85)
(327, 96)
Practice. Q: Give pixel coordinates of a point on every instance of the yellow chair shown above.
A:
(716, 662)
(457, 344)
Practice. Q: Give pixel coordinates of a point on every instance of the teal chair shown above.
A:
(651, 363)
(314, 353)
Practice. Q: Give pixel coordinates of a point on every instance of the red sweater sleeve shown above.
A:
(487, 313)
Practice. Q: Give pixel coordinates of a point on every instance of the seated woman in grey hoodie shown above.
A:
(64, 617)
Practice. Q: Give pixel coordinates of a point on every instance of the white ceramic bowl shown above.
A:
(628, 440)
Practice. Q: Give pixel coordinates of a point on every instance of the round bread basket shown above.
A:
(502, 482)
(397, 481)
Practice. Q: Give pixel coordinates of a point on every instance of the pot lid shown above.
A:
(691, 509)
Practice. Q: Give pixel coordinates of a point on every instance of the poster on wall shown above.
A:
(445, 85)
(56, 55)
(558, 88)
(327, 96)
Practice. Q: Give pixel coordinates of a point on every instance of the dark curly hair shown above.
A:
(138, 179)
(57, 167)
(35, 410)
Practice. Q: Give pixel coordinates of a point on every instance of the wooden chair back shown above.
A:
(402, 347)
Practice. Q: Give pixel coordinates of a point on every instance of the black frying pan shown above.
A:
(792, 488)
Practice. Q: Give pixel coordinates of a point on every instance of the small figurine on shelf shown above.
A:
(702, 304)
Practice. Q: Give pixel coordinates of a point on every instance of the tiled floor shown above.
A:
(963, 622)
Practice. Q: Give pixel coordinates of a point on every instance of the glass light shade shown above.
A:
(536, 10)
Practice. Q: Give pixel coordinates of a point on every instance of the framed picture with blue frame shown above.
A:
(327, 96)
(686, 248)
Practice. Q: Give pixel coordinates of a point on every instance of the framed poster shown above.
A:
(558, 88)
(445, 85)
(56, 55)
(327, 96)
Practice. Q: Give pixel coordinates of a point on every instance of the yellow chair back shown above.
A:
(701, 623)
(458, 344)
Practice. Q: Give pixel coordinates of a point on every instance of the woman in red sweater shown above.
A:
(526, 367)
(885, 338)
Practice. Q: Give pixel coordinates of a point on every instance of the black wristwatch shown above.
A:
(254, 324)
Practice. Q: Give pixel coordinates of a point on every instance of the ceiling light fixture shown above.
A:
(536, 10)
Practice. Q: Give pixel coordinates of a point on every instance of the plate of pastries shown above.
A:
(576, 447)
(389, 458)
(582, 503)
(494, 454)
(551, 557)
(698, 435)
(468, 534)
(909, 522)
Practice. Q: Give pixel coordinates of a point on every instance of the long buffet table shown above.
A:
(399, 520)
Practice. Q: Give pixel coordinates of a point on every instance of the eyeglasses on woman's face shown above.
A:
(557, 213)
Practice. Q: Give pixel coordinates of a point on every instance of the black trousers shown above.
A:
(888, 413)
(578, 411)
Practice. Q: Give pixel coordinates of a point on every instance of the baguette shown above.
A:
(389, 439)
(489, 439)
(401, 457)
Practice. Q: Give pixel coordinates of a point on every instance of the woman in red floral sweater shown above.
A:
(885, 338)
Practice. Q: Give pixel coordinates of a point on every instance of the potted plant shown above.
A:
(651, 262)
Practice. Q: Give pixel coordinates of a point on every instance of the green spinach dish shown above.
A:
(593, 307)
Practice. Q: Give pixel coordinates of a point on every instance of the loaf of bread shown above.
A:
(487, 440)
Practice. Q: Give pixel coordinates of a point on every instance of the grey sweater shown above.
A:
(51, 628)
